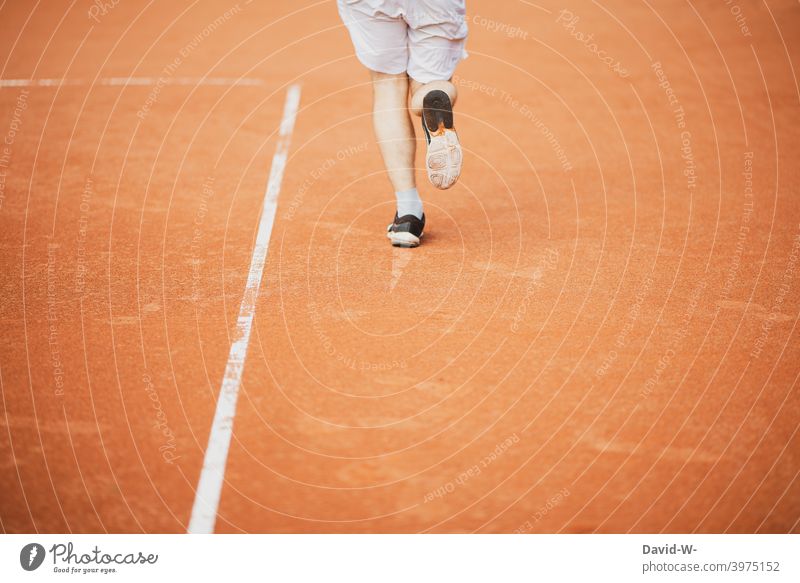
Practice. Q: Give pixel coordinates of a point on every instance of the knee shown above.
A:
(389, 89)
(389, 83)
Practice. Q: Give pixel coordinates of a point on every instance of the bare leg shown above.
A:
(398, 144)
(393, 128)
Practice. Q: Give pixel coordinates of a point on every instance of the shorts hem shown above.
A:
(428, 77)
(379, 69)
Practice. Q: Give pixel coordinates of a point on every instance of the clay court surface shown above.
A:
(599, 333)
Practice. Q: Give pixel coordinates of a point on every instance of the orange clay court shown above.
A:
(598, 333)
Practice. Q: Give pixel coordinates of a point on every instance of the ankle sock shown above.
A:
(409, 203)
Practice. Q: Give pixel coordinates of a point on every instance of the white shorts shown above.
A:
(424, 38)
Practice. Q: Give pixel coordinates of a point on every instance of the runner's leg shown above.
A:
(393, 128)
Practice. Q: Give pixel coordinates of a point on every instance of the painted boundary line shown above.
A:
(136, 81)
(212, 476)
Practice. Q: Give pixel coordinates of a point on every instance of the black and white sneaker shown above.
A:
(443, 160)
(406, 231)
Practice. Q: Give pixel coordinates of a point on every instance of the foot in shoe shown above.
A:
(443, 160)
(406, 231)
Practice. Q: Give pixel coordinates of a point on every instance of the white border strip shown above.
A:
(209, 488)
(136, 81)
(371, 558)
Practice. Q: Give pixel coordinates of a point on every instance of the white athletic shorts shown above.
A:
(424, 38)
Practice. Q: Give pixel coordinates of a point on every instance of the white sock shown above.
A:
(409, 203)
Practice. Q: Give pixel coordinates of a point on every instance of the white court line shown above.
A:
(209, 488)
(136, 81)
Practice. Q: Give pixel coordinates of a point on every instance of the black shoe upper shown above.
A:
(426, 132)
(437, 112)
(408, 224)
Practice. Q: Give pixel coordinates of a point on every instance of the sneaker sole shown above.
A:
(404, 239)
(443, 160)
